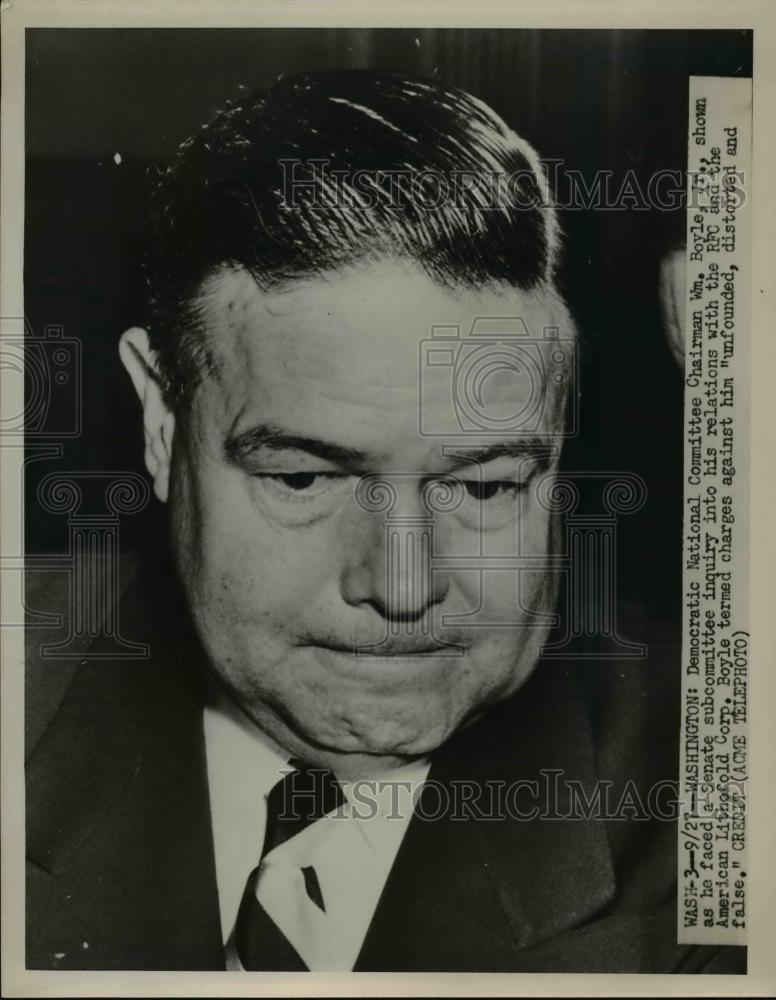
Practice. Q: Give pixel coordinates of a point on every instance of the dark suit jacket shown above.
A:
(121, 868)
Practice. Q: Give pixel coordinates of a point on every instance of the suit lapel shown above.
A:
(119, 833)
(479, 894)
(118, 829)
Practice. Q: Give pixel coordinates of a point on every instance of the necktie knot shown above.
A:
(305, 795)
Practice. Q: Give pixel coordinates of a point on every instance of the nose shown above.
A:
(388, 559)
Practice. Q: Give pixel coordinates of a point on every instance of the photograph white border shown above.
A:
(15, 16)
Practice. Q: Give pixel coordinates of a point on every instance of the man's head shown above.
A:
(309, 242)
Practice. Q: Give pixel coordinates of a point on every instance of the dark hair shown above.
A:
(377, 165)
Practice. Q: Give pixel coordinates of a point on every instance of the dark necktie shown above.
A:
(294, 803)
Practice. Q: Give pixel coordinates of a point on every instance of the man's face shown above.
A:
(289, 568)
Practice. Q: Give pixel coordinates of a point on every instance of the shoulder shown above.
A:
(64, 613)
(635, 699)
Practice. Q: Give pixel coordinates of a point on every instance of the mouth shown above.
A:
(391, 667)
(393, 650)
(392, 671)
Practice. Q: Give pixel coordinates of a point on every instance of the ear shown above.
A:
(673, 281)
(158, 420)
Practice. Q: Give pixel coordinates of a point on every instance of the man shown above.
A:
(339, 622)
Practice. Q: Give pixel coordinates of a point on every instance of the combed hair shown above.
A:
(328, 170)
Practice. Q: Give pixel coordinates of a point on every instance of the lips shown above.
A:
(393, 649)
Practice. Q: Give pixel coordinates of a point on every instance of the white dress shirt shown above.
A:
(351, 850)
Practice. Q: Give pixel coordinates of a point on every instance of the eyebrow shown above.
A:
(241, 446)
(519, 448)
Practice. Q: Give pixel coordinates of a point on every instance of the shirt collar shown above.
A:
(381, 805)
(231, 737)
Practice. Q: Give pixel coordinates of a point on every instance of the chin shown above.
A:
(385, 741)
(405, 727)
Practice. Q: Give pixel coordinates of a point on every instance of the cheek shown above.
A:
(238, 566)
(504, 593)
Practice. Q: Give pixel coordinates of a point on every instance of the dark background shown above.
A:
(598, 100)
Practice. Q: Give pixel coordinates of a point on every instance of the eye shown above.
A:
(297, 481)
(490, 504)
(293, 486)
(492, 489)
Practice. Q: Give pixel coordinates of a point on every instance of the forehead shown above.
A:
(346, 356)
